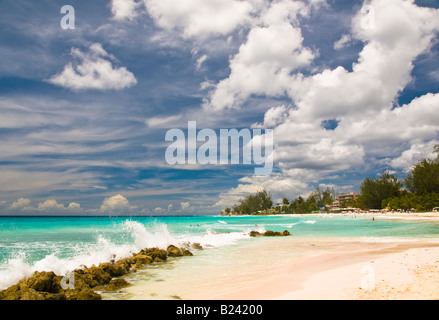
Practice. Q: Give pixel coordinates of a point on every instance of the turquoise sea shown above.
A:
(61, 244)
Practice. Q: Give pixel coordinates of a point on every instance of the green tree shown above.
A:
(424, 178)
(324, 197)
(254, 202)
(375, 190)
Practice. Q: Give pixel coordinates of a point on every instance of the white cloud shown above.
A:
(199, 18)
(274, 48)
(191, 18)
(20, 203)
(342, 42)
(95, 71)
(277, 185)
(274, 116)
(412, 156)
(361, 101)
(184, 205)
(74, 206)
(50, 204)
(163, 122)
(124, 9)
(200, 61)
(116, 203)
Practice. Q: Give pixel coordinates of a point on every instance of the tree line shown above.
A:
(419, 190)
(262, 203)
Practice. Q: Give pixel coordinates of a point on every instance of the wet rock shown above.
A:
(117, 284)
(41, 281)
(48, 286)
(98, 275)
(173, 251)
(270, 233)
(157, 255)
(40, 286)
(114, 270)
(197, 246)
(82, 294)
(142, 259)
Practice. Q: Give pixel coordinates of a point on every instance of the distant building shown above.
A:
(336, 205)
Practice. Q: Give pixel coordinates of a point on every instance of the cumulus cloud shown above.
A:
(50, 204)
(47, 206)
(412, 156)
(184, 205)
(192, 18)
(20, 203)
(361, 102)
(199, 18)
(274, 48)
(278, 185)
(116, 203)
(273, 117)
(124, 9)
(95, 71)
(54, 206)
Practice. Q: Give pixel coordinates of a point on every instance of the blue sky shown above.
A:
(348, 92)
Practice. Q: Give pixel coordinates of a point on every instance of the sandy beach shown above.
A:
(409, 273)
(336, 269)
(406, 271)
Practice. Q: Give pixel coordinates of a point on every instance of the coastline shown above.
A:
(411, 273)
(308, 265)
(334, 269)
(432, 215)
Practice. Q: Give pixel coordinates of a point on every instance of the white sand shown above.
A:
(411, 274)
(328, 269)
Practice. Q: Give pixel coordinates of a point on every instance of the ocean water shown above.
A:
(62, 244)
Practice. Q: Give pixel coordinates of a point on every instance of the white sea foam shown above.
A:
(137, 237)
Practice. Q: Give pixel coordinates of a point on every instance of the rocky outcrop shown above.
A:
(173, 251)
(46, 285)
(117, 284)
(269, 233)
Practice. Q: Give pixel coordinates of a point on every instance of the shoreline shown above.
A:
(408, 274)
(352, 270)
(335, 269)
(398, 272)
(433, 215)
(277, 268)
